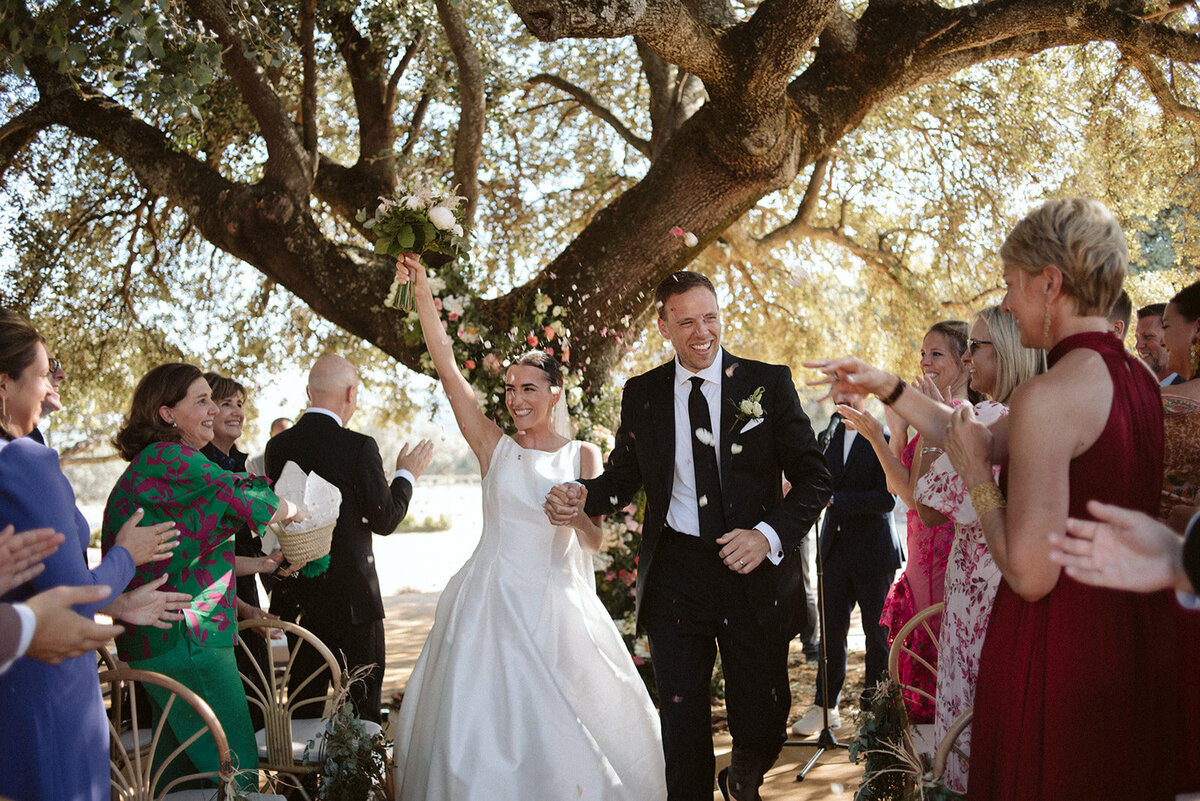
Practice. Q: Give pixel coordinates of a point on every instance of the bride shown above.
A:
(524, 688)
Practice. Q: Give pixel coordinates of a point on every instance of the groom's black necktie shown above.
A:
(704, 460)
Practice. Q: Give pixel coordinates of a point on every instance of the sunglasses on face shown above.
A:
(972, 344)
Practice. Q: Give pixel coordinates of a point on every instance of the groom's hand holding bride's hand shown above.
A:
(744, 549)
(564, 503)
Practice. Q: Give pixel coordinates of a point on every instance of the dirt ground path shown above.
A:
(410, 616)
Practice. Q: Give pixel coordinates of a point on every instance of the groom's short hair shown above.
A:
(676, 284)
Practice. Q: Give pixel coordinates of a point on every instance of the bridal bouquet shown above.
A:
(422, 222)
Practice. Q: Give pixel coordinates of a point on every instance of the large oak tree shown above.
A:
(157, 138)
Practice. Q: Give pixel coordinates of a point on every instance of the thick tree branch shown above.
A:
(1161, 88)
(374, 98)
(668, 27)
(308, 95)
(20, 131)
(287, 162)
(772, 44)
(468, 139)
(410, 53)
(589, 102)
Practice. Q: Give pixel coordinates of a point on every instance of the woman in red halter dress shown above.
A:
(1081, 691)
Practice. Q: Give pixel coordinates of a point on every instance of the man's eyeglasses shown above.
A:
(972, 344)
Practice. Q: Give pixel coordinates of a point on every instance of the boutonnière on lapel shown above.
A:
(749, 411)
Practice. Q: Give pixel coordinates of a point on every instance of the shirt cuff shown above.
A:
(28, 626)
(1188, 600)
(776, 552)
(405, 474)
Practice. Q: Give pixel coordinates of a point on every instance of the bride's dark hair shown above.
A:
(542, 361)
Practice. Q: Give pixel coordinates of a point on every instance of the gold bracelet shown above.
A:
(986, 497)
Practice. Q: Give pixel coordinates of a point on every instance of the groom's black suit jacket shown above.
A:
(782, 445)
(349, 590)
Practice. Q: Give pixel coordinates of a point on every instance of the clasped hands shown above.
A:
(742, 550)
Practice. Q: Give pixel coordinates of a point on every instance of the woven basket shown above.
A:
(305, 546)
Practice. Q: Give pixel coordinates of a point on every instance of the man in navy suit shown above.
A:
(860, 554)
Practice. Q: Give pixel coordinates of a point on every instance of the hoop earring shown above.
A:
(1195, 353)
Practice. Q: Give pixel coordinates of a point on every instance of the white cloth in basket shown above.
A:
(315, 496)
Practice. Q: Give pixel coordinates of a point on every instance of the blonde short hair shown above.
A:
(1083, 240)
(1015, 364)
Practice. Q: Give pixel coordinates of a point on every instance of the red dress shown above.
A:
(1081, 694)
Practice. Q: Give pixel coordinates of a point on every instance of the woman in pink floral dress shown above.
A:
(998, 365)
(929, 532)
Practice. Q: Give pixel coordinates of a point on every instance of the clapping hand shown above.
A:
(415, 458)
(852, 377)
(146, 606)
(564, 503)
(861, 422)
(1121, 549)
(61, 633)
(151, 543)
(21, 554)
(929, 388)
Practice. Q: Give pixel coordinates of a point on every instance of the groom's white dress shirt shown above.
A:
(683, 512)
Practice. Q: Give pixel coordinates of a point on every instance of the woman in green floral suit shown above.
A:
(169, 421)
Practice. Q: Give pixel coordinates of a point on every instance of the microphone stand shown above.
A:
(826, 741)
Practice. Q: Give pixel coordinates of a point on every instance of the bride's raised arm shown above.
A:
(481, 433)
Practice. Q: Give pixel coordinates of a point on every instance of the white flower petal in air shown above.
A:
(735, 448)
(702, 501)
(705, 436)
(690, 239)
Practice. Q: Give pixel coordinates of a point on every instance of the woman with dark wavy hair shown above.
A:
(170, 420)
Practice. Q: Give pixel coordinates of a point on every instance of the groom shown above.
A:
(719, 565)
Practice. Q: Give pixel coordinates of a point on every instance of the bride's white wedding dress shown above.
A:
(524, 689)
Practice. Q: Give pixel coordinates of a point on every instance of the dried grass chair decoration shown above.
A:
(290, 747)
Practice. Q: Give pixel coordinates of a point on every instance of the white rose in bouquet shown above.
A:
(442, 218)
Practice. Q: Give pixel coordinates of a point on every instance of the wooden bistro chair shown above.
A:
(134, 775)
(918, 738)
(290, 747)
(131, 737)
